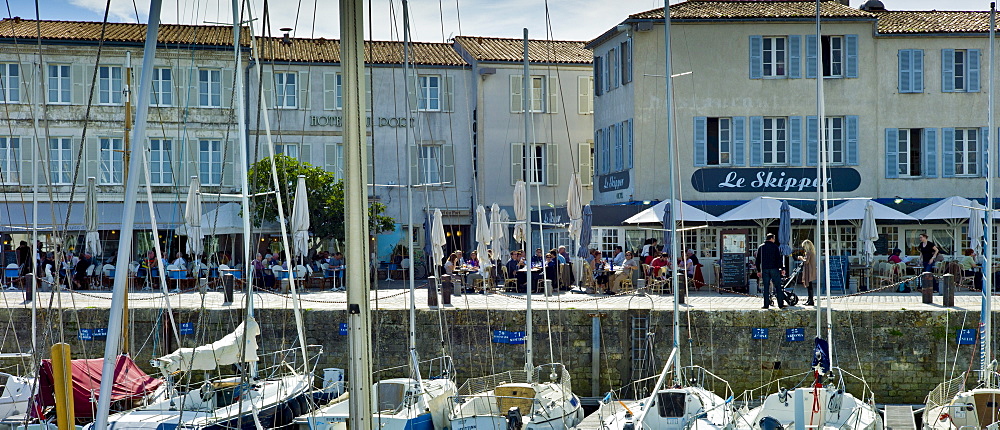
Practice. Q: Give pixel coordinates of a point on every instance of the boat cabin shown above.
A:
(519, 395)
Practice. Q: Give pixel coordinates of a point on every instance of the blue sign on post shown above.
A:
(187, 328)
(516, 338)
(86, 334)
(501, 336)
(100, 333)
(795, 334)
(966, 336)
(758, 333)
(343, 329)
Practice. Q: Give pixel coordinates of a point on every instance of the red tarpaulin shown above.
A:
(130, 382)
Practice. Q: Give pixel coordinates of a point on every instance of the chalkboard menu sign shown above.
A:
(882, 245)
(732, 261)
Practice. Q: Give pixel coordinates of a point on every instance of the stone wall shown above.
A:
(902, 354)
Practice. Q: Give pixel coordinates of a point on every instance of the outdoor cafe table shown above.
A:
(862, 272)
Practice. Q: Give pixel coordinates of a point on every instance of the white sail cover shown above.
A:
(498, 231)
(483, 237)
(438, 240)
(574, 207)
(222, 352)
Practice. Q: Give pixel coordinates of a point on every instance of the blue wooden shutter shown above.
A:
(756, 57)
(700, 141)
(812, 141)
(984, 140)
(972, 80)
(929, 158)
(795, 140)
(811, 56)
(891, 153)
(756, 141)
(904, 83)
(739, 156)
(794, 56)
(851, 125)
(917, 68)
(948, 152)
(598, 152)
(598, 74)
(947, 70)
(628, 144)
(851, 43)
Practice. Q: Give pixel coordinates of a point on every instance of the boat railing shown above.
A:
(945, 392)
(555, 373)
(495, 405)
(434, 368)
(701, 377)
(849, 382)
(482, 384)
(286, 361)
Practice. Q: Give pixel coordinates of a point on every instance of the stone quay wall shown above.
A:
(902, 354)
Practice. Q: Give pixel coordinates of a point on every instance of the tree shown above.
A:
(325, 193)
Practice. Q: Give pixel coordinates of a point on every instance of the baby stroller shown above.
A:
(787, 287)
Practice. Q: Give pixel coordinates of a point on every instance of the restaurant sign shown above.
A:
(613, 182)
(772, 180)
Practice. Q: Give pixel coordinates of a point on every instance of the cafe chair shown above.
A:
(509, 283)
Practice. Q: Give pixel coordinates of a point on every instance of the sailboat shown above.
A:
(682, 401)
(951, 404)
(825, 403)
(533, 398)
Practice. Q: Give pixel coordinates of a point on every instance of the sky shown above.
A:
(430, 21)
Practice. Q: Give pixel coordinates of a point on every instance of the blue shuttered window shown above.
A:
(948, 152)
(812, 141)
(756, 57)
(911, 71)
(972, 85)
(628, 144)
(795, 140)
(794, 56)
(756, 141)
(851, 57)
(947, 70)
(811, 56)
(700, 141)
(984, 139)
(891, 154)
(626, 49)
(851, 125)
(929, 156)
(739, 141)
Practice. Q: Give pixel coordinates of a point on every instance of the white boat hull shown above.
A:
(801, 409)
(974, 409)
(541, 406)
(395, 410)
(689, 408)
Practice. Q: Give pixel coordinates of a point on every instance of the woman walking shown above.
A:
(808, 272)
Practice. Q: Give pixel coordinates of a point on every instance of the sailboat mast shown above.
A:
(986, 336)
(111, 346)
(818, 235)
(355, 214)
(526, 96)
(674, 183)
(241, 157)
(414, 363)
(824, 192)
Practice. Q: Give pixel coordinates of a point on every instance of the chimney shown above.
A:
(284, 39)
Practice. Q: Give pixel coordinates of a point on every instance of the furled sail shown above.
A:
(239, 346)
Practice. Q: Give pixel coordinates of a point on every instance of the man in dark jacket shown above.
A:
(769, 271)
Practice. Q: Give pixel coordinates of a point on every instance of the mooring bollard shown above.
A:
(949, 290)
(681, 292)
(29, 290)
(548, 288)
(640, 287)
(927, 286)
(447, 288)
(227, 283)
(432, 293)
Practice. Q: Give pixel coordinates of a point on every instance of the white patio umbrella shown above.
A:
(976, 227)
(520, 210)
(438, 240)
(483, 237)
(854, 209)
(300, 219)
(93, 239)
(498, 232)
(192, 220)
(501, 240)
(762, 210)
(953, 209)
(682, 211)
(869, 232)
(574, 207)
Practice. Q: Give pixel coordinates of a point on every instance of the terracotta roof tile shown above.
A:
(539, 51)
(210, 35)
(923, 22)
(744, 9)
(377, 52)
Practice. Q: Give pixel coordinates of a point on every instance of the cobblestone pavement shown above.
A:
(394, 295)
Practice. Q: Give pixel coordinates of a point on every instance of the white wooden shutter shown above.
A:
(551, 164)
(411, 93)
(91, 160)
(516, 103)
(553, 93)
(413, 155)
(586, 159)
(227, 88)
(181, 87)
(26, 163)
(448, 164)
(305, 153)
(267, 79)
(371, 163)
(447, 94)
(79, 96)
(584, 98)
(303, 91)
(516, 162)
(329, 91)
(229, 168)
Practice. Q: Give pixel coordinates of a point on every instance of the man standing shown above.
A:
(24, 258)
(80, 278)
(769, 271)
(928, 255)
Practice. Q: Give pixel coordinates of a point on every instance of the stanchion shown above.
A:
(432, 298)
(447, 288)
(927, 287)
(640, 287)
(949, 290)
(681, 292)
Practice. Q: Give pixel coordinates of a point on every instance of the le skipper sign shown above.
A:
(772, 180)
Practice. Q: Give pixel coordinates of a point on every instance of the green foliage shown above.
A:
(325, 193)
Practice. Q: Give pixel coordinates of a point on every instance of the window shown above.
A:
(109, 84)
(911, 71)
(289, 150)
(704, 241)
(834, 133)
(59, 84)
(60, 160)
(909, 152)
(542, 92)
(614, 68)
(10, 83)
(332, 91)
(112, 153)
(774, 56)
(429, 159)
(160, 170)
(210, 161)
(719, 141)
(833, 56)
(209, 88)
(775, 141)
(619, 146)
(534, 162)
(537, 94)
(10, 156)
(959, 70)
(163, 84)
(286, 90)
(598, 75)
(429, 98)
(334, 161)
(966, 152)
(626, 54)
(585, 95)
(605, 240)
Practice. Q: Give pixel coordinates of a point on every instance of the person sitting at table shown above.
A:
(451, 264)
(653, 253)
(969, 265)
(514, 266)
(461, 260)
(619, 257)
(473, 259)
(623, 272)
(538, 258)
(552, 269)
(179, 261)
(600, 268)
(898, 262)
(336, 264)
(660, 265)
